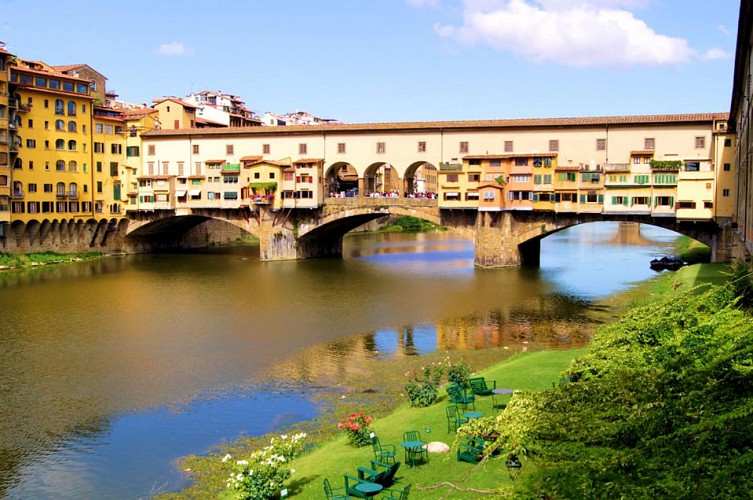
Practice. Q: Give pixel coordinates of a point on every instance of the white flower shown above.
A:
(239, 476)
(292, 471)
(242, 462)
(226, 458)
(284, 436)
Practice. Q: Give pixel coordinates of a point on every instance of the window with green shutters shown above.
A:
(641, 179)
(665, 179)
(547, 178)
(116, 191)
(537, 179)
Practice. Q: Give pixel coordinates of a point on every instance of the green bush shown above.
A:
(423, 388)
(458, 373)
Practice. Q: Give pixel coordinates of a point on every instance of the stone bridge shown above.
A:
(508, 238)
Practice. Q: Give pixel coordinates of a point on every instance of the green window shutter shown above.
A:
(116, 191)
(601, 198)
(537, 179)
(535, 197)
(583, 198)
(671, 201)
(625, 200)
(614, 200)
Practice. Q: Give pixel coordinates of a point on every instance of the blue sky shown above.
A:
(398, 60)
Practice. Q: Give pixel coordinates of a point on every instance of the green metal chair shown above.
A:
(454, 418)
(380, 473)
(471, 450)
(459, 397)
(393, 494)
(334, 493)
(383, 452)
(416, 453)
(480, 387)
(350, 486)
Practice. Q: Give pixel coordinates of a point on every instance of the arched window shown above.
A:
(72, 190)
(3, 180)
(59, 125)
(59, 107)
(59, 144)
(60, 189)
(60, 166)
(72, 166)
(71, 126)
(71, 108)
(18, 189)
(72, 145)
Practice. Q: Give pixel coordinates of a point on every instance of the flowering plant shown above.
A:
(262, 475)
(423, 390)
(358, 428)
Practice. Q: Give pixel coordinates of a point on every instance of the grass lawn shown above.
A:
(525, 371)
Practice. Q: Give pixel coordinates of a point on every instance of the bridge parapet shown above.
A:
(382, 202)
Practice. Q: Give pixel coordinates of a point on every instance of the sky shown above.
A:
(364, 61)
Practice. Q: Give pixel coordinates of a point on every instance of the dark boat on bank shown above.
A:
(668, 262)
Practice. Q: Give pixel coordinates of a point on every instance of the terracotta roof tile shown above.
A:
(592, 121)
(507, 156)
(251, 158)
(309, 160)
(214, 162)
(642, 152)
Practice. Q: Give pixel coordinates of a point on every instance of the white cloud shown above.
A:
(723, 29)
(570, 32)
(172, 49)
(714, 54)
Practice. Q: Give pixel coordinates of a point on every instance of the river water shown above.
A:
(112, 370)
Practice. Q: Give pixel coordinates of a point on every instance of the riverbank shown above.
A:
(28, 260)
(378, 391)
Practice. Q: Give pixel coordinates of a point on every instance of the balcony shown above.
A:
(13, 103)
(231, 168)
(61, 195)
(24, 108)
(450, 167)
(73, 195)
(616, 167)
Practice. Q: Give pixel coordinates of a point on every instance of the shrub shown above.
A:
(458, 373)
(358, 428)
(424, 391)
(262, 475)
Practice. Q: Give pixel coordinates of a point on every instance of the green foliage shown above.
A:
(458, 373)
(262, 475)
(692, 251)
(661, 405)
(500, 180)
(666, 165)
(410, 224)
(423, 389)
(741, 281)
(43, 258)
(357, 426)
(262, 187)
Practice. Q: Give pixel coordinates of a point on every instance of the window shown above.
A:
(108, 129)
(727, 143)
(474, 177)
(229, 149)
(60, 166)
(452, 178)
(700, 142)
(72, 166)
(380, 148)
(463, 147)
(230, 195)
(566, 177)
(71, 108)
(31, 143)
(640, 200)
(641, 179)
(114, 168)
(664, 201)
(302, 149)
(99, 147)
(620, 200)
(489, 195)
(150, 149)
(508, 146)
(648, 143)
(47, 188)
(99, 128)
(495, 163)
(60, 189)
(265, 149)
(132, 131)
(46, 104)
(59, 125)
(665, 179)
(554, 145)
(71, 126)
(725, 192)
(132, 151)
(116, 149)
(32, 187)
(72, 145)
(708, 204)
(30, 123)
(422, 146)
(59, 106)
(727, 167)
(195, 149)
(601, 144)
(521, 162)
(59, 144)
(692, 166)
(340, 147)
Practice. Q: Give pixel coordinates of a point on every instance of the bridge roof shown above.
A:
(585, 121)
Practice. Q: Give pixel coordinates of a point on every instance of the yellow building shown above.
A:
(261, 181)
(137, 121)
(724, 163)
(303, 184)
(175, 113)
(5, 177)
(53, 117)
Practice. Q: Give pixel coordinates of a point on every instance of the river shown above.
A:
(112, 370)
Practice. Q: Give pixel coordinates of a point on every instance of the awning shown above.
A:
(180, 194)
(195, 192)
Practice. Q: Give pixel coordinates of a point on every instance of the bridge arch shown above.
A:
(420, 178)
(340, 177)
(381, 177)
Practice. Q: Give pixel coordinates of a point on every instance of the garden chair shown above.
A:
(479, 387)
(415, 453)
(385, 476)
(393, 494)
(471, 450)
(334, 493)
(350, 486)
(383, 453)
(459, 397)
(454, 419)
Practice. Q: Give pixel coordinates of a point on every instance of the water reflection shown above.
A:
(113, 369)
